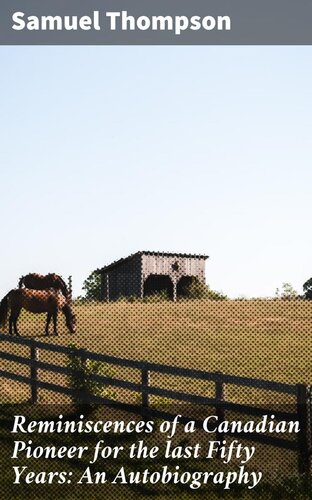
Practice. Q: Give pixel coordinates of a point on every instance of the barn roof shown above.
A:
(148, 252)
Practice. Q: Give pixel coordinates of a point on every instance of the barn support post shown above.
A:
(304, 435)
(70, 287)
(142, 286)
(145, 382)
(34, 357)
(107, 288)
(174, 282)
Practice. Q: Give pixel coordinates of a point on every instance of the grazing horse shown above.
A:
(39, 282)
(37, 301)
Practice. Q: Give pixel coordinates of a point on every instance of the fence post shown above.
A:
(84, 394)
(70, 287)
(303, 407)
(34, 357)
(220, 397)
(145, 382)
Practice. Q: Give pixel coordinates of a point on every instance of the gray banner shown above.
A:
(161, 22)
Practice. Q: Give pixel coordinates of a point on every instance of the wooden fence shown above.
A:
(299, 392)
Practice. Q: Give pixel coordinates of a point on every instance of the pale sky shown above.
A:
(109, 150)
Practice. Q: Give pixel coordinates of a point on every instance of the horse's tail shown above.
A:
(4, 310)
(21, 282)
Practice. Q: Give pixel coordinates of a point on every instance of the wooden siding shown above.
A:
(123, 280)
(174, 266)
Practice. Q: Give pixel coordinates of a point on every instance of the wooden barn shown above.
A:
(145, 273)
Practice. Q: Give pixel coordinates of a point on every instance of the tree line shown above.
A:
(92, 290)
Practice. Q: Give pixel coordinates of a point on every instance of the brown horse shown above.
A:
(36, 301)
(39, 282)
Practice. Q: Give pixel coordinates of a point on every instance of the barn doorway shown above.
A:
(156, 283)
(182, 285)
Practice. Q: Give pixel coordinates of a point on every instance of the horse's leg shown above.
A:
(49, 316)
(55, 322)
(10, 324)
(15, 326)
(13, 322)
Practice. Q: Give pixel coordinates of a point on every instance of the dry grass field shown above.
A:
(257, 338)
(270, 339)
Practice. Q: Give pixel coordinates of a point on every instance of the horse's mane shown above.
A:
(58, 279)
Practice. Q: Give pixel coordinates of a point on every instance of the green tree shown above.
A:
(92, 286)
(307, 289)
(287, 292)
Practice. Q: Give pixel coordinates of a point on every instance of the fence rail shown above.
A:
(300, 392)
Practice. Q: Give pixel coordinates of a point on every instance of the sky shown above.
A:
(109, 150)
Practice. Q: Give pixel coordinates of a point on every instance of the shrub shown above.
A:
(287, 292)
(80, 378)
(198, 290)
(133, 298)
(157, 296)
